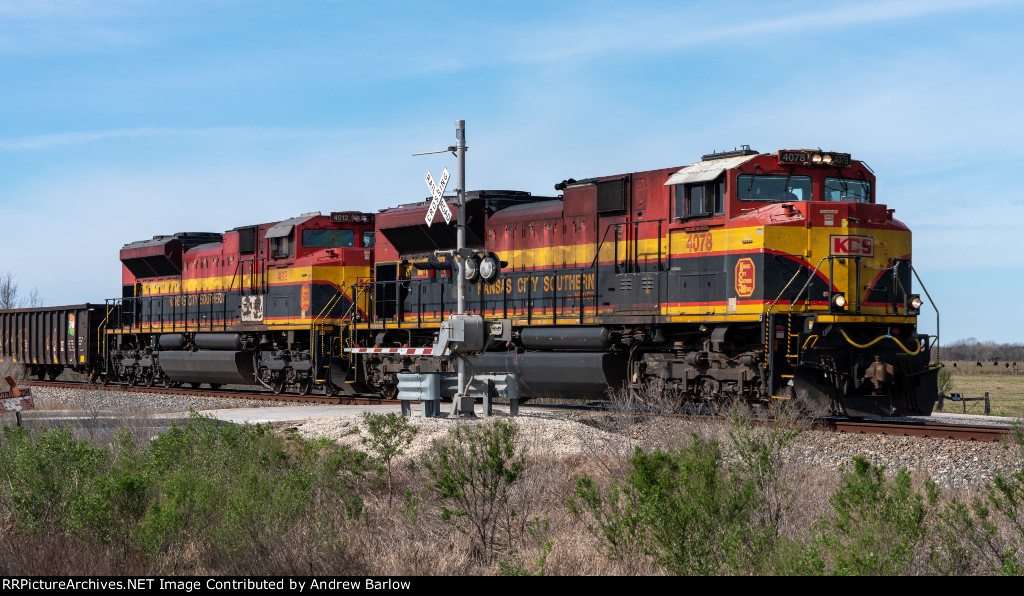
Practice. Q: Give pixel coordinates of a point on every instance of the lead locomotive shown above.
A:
(759, 277)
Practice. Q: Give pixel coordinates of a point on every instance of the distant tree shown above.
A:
(972, 350)
(35, 299)
(9, 293)
(8, 290)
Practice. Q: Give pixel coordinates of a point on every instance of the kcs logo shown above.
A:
(854, 246)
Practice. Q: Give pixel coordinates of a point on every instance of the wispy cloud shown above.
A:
(71, 139)
(639, 29)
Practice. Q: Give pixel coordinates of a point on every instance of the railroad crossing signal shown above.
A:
(438, 202)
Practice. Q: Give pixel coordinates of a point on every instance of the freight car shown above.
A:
(47, 340)
(758, 277)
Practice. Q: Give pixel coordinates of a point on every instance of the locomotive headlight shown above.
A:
(826, 159)
(839, 301)
(816, 159)
(472, 266)
(489, 268)
(914, 304)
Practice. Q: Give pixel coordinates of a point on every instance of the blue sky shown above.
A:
(123, 119)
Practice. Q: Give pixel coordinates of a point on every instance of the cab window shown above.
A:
(368, 238)
(328, 238)
(844, 189)
(699, 200)
(282, 247)
(773, 188)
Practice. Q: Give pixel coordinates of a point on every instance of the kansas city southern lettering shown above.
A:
(571, 282)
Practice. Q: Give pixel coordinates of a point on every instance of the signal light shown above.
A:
(472, 266)
(490, 267)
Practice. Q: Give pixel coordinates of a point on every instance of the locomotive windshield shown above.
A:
(843, 189)
(328, 238)
(773, 188)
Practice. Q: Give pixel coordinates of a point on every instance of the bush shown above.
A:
(881, 526)
(389, 435)
(683, 507)
(986, 536)
(472, 473)
(225, 493)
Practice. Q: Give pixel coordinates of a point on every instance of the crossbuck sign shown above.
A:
(438, 202)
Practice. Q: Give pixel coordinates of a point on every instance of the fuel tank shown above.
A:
(209, 366)
(562, 375)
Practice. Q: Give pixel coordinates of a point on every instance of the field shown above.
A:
(1004, 386)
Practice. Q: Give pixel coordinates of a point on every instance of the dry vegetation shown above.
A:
(219, 499)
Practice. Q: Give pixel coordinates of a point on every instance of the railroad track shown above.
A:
(253, 394)
(914, 428)
(907, 428)
(935, 430)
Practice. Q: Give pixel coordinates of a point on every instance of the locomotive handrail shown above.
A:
(111, 305)
(808, 283)
(635, 224)
(938, 348)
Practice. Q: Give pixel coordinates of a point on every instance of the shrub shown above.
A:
(389, 435)
(880, 527)
(472, 472)
(234, 488)
(682, 507)
(988, 534)
(225, 493)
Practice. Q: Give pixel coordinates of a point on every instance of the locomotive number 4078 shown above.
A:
(698, 242)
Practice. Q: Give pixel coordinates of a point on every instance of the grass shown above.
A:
(1005, 389)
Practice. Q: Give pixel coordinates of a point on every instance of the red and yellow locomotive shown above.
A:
(743, 276)
(257, 304)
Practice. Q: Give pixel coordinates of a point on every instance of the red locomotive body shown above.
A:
(743, 276)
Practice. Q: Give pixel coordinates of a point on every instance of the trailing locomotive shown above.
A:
(258, 304)
(759, 277)
(744, 276)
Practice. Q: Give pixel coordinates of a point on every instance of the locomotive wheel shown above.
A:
(278, 385)
(305, 386)
(148, 379)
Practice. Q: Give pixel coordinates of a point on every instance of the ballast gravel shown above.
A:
(572, 436)
(123, 402)
(565, 435)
